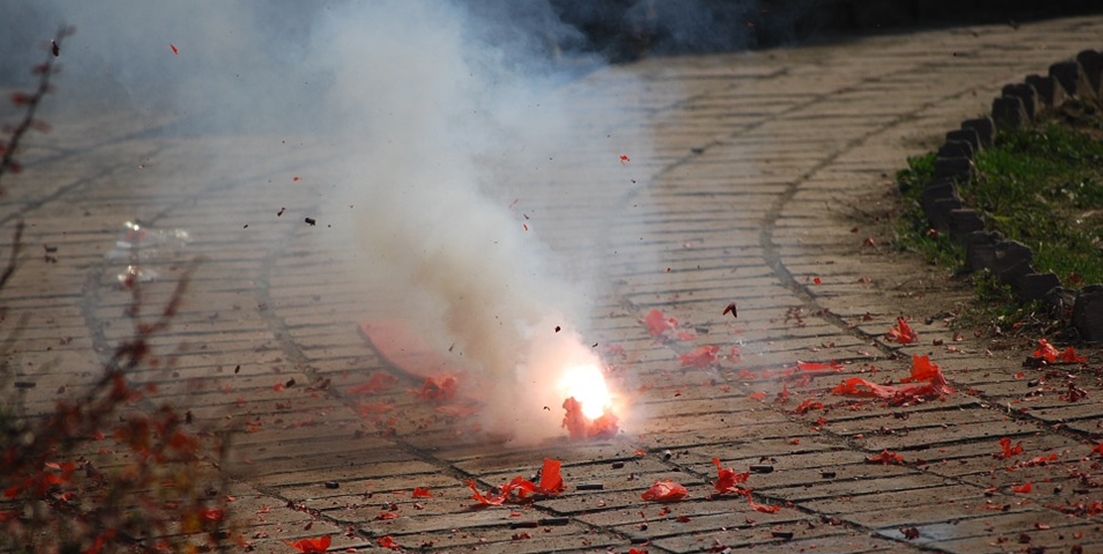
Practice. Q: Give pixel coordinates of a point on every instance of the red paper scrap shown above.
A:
(902, 332)
(1037, 461)
(818, 366)
(1049, 353)
(657, 323)
(727, 480)
(1046, 351)
(1006, 450)
(551, 482)
(764, 508)
(312, 546)
(388, 542)
(701, 357)
(923, 370)
(665, 491)
(518, 484)
(886, 458)
(1069, 356)
(439, 389)
(807, 406)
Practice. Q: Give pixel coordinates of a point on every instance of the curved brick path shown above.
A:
(758, 164)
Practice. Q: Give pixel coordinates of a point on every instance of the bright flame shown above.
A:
(586, 383)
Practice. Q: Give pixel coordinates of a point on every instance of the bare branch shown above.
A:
(31, 101)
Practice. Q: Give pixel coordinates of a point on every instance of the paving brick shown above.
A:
(992, 533)
(747, 193)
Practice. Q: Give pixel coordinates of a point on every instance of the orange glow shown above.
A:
(586, 384)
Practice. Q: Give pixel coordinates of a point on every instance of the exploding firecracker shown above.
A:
(581, 427)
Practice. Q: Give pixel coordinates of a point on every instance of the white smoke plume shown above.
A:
(440, 114)
(439, 109)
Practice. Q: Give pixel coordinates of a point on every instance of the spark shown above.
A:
(586, 383)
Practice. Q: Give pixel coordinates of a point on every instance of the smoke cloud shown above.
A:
(443, 106)
(444, 126)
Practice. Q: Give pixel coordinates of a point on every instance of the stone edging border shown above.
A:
(1011, 261)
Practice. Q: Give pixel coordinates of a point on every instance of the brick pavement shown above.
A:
(755, 169)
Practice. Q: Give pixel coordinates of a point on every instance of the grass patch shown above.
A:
(1044, 187)
(1041, 185)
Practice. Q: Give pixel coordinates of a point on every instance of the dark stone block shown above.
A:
(1035, 286)
(1013, 276)
(1011, 252)
(1092, 64)
(980, 249)
(1050, 92)
(963, 222)
(956, 169)
(940, 215)
(935, 191)
(1013, 262)
(1087, 313)
(1008, 111)
(1073, 79)
(956, 149)
(984, 127)
(1059, 302)
(1027, 94)
(967, 134)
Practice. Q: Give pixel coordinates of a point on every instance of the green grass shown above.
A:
(912, 228)
(997, 305)
(1042, 186)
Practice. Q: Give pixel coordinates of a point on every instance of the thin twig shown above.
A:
(44, 71)
(16, 246)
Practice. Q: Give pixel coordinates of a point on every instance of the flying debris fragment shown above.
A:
(730, 308)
